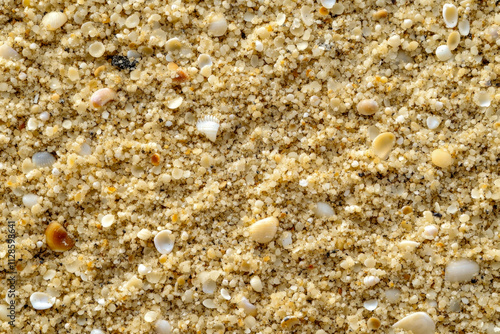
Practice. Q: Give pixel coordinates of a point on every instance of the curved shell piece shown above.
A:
(43, 159)
(264, 230)
(164, 242)
(328, 3)
(54, 20)
(204, 60)
(417, 323)
(218, 26)
(383, 144)
(209, 126)
(101, 97)
(42, 301)
(9, 53)
(462, 270)
(173, 44)
(450, 15)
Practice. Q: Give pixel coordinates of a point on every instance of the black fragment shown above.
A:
(123, 63)
(437, 214)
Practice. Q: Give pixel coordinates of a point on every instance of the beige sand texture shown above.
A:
(250, 166)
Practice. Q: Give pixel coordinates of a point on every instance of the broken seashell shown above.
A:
(107, 220)
(164, 242)
(57, 238)
(43, 159)
(9, 53)
(383, 144)
(371, 280)
(204, 60)
(464, 27)
(42, 300)
(173, 44)
(209, 126)
(371, 304)
(323, 210)
(328, 3)
(417, 323)
(248, 307)
(289, 322)
(264, 230)
(450, 15)
(462, 270)
(453, 40)
(54, 20)
(101, 97)
(175, 102)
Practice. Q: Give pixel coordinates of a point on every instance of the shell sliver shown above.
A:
(417, 323)
(209, 126)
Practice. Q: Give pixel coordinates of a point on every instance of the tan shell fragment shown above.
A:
(367, 107)
(453, 40)
(450, 15)
(441, 158)
(101, 97)
(54, 20)
(417, 323)
(57, 238)
(264, 230)
(289, 322)
(382, 145)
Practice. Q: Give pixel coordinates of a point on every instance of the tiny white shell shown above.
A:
(29, 200)
(97, 331)
(417, 323)
(150, 316)
(9, 53)
(450, 15)
(371, 280)
(464, 27)
(173, 44)
(175, 102)
(483, 99)
(433, 122)
(324, 210)
(42, 301)
(443, 53)
(54, 20)
(225, 294)
(462, 270)
(248, 307)
(218, 26)
(430, 232)
(328, 3)
(143, 270)
(107, 220)
(209, 126)
(163, 327)
(209, 303)
(371, 304)
(408, 245)
(204, 60)
(256, 283)
(43, 159)
(264, 230)
(164, 241)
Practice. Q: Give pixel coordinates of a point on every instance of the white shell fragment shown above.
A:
(408, 245)
(462, 270)
(248, 307)
(218, 26)
(163, 327)
(443, 53)
(430, 232)
(328, 3)
(209, 126)
(256, 283)
(29, 200)
(173, 44)
(101, 97)
(42, 301)
(450, 15)
(371, 280)
(417, 323)
(371, 304)
(54, 20)
(204, 60)
(175, 102)
(483, 99)
(264, 230)
(433, 122)
(43, 159)
(107, 220)
(8, 53)
(382, 145)
(225, 294)
(323, 210)
(392, 295)
(464, 27)
(164, 242)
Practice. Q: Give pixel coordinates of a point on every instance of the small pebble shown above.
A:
(464, 27)
(29, 200)
(163, 327)
(218, 26)
(453, 40)
(107, 220)
(96, 49)
(370, 281)
(373, 323)
(328, 3)
(382, 145)
(9, 53)
(441, 158)
(54, 20)
(150, 316)
(483, 99)
(392, 295)
(443, 53)
(367, 107)
(371, 304)
(324, 210)
(462, 270)
(264, 230)
(256, 283)
(42, 300)
(164, 242)
(433, 122)
(450, 15)
(417, 323)
(248, 307)
(430, 232)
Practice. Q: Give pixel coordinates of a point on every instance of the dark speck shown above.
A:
(474, 280)
(437, 214)
(123, 63)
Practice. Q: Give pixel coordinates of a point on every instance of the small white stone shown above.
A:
(256, 283)
(433, 122)
(164, 242)
(370, 281)
(209, 303)
(248, 307)
(150, 316)
(107, 220)
(417, 323)
(175, 102)
(408, 245)
(392, 295)
(97, 331)
(29, 200)
(204, 60)
(324, 210)
(143, 270)
(44, 116)
(462, 270)
(173, 44)
(328, 3)
(9, 53)
(443, 53)
(42, 301)
(371, 304)
(430, 232)
(264, 230)
(54, 20)
(96, 49)
(464, 27)
(163, 327)
(218, 26)
(483, 99)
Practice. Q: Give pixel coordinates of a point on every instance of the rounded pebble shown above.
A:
(107, 220)
(29, 200)
(453, 40)
(382, 145)
(450, 15)
(443, 53)
(417, 323)
(9, 53)
(367, 107)
(54, 20)
(218, 26)
(163, 327)
(150, 316)
(462, 270)
(256, 283)
(373, 323)
(42, 300)
(441, 158)
(96, 49)
(101, 97)
(324, 210)
(433, 122)
(264, 230)
(164, 242)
